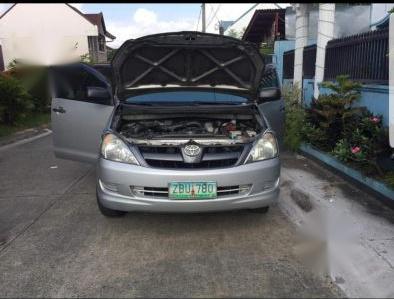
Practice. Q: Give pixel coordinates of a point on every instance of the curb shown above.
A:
(26, 140)
(367, 183)
(355, 244)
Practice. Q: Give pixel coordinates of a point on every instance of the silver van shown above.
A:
(182, 122)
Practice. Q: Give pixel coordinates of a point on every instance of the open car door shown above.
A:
(273, 109)
(82, 103)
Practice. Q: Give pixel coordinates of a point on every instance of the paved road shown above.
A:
(55, 243)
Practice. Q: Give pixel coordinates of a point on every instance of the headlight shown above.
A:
(265, 148)
(114, 149)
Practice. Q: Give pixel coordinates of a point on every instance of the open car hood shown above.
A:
(187, 60)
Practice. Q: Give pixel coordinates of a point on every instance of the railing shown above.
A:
(363, 57)
(288, 64)
(308, 62)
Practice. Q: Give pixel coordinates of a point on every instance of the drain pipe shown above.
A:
(301, 40)
(325, 32)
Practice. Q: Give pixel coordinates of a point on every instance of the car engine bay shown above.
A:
(241, 130)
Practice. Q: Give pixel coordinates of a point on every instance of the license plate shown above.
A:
(192, 190)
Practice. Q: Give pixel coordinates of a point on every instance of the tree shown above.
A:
(242, 32)
(233, 33)
(110, 53)
(15, 101)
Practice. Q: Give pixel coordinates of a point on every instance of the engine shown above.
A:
(198, 127)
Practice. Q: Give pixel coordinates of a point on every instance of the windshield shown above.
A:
(187, 97)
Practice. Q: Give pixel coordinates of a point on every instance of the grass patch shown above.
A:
(30, 121)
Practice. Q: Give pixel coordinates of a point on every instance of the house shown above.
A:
(98, 49)
(50, 33)
(266, 25)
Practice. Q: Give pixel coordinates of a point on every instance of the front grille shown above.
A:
(159, 150)
(155, 192)
(170, 157)
(162, 192)
(201, 165)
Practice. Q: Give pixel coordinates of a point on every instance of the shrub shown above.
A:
(352, 134)
(330, 111)
(35, 80)
(87, 58)
(388, 178)
(314, 135)
(294, 117)
(14, 100)
(364, 140)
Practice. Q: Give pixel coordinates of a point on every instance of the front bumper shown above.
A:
(115, 182)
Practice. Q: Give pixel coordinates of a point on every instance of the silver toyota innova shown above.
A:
(182, 122)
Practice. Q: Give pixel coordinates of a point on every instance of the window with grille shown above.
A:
(101, 41)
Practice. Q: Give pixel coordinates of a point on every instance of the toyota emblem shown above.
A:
(192, 150)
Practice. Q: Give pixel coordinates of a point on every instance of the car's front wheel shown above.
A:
(109, 212)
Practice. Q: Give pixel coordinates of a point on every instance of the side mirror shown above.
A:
(99, 95)
(269, 94)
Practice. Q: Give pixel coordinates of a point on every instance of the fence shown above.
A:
(308, 62)
(288, 64)
(364, 57)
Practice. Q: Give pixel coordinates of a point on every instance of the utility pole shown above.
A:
(203, 17)
(221, 28)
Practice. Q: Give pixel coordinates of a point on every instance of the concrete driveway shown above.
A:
(55, 243)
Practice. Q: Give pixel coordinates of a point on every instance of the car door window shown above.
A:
(273, 110)
(71, 82)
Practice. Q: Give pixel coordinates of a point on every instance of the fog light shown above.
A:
(109, 186)
(244, 189)
(270, 184)
(137, 190)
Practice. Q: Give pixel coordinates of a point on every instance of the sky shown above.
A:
(127, 21)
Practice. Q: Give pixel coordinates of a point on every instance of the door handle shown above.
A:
(59, 109)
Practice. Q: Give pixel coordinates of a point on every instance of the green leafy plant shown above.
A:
(313, 134)
(342, 150)
(365, 139)
(353, 135)
(388, 178)
(35, 80)
(234, 33)
(15, 101)
(294, 117)
(87, 58)
(330, 111)
(110, 53)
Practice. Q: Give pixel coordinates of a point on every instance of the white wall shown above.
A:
(44, 34)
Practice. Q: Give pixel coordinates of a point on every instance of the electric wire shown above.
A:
(214, 14)
(198, 19)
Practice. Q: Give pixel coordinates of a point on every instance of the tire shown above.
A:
(109, 212)
(262, 210)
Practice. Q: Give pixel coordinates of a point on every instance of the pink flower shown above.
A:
(374, 119)
(355, 149)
